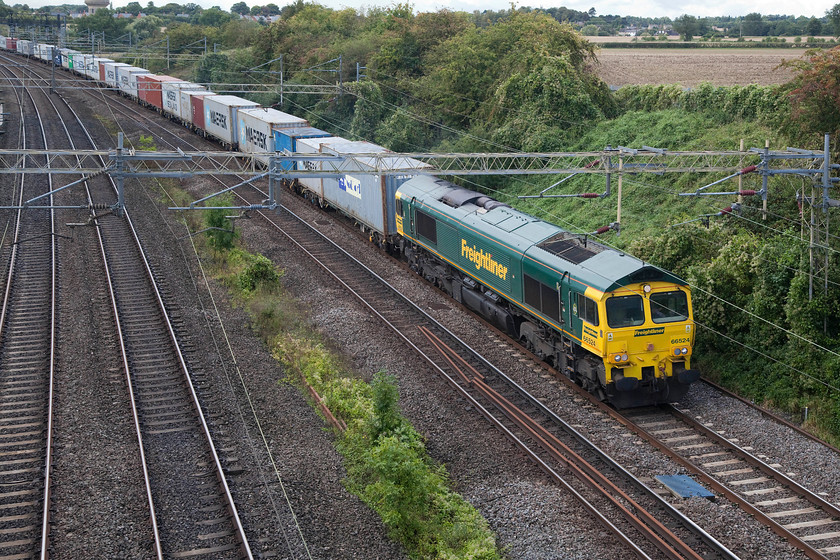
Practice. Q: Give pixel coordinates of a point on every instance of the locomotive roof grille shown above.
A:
(570, 248)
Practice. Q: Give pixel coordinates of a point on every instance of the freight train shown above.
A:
(621, 328)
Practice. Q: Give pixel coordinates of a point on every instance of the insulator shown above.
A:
(589, 195)
(727, 210)
(602, 229)
(99, 206)
(749, 169)
(747, 193)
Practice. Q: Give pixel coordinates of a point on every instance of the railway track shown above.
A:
(27, 358)
(777, 507)
(790, 510)
(192, 512)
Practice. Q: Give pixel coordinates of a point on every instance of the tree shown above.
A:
(146, 27)
(815, 94)
(834, 18)
(686, 26)
(214, 17)
(133, 8)
(102, 21)
(753, 25)
(240, 8)
(814, 27)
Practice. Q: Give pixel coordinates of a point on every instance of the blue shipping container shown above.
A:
(285, 141)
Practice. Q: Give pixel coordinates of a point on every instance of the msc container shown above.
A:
(25, 47)
(192, 107)
(171, 93)
(256, 128)
(368, 198)
(220, 116)
(148, 88)
(286, 139)
(109, 73)
(128, 79)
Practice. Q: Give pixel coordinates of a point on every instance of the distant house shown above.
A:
(630, 31)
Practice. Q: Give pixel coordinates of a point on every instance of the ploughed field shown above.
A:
(690, 67)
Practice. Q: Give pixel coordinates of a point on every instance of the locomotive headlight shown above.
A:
(624, 357)
(677, 352)
(685, 351)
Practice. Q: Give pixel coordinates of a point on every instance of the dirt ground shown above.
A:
(690, 67)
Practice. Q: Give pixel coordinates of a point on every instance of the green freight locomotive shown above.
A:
(619, 327)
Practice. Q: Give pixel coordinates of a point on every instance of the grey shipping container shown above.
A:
(220, 116)
(257, 126)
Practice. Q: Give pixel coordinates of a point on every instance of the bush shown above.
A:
(259, 273)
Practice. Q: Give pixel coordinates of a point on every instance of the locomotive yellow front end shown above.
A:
(647, 341)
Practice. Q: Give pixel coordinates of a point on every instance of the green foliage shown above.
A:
(220, 233)
(146, 143)
(102, 21)
(259, 273)
(814, 94)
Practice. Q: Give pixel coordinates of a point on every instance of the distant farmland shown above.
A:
(690, 67)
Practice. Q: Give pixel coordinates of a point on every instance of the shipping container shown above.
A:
(95, 67)
(192, 107)
(369, 198)
(11, 43)
(185, 101)
(25, 47)
(67, 58)
(128, 79)
(256, 128)
(172, 95)
(149, 88)
(285, 141)
(109, 73)
(220, 116)
(44, 52)
(313, 146)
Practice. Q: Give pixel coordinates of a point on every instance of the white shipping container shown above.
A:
(220, 116)
(364, 196)
(314, 146)
(92, 63)
(186, 105)
(128, 79)
(66, 60)
(256, 129)
(111, 76)
(25, 47)
(171, 95)
(44, 51)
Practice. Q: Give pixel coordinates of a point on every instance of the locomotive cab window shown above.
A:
(427, 226)
(668, 307)
(399, 208)
(625, 311)
(587, 309)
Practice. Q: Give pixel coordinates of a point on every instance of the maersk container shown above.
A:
(171, 93)
(368, 198)
(286, 139)
(128, 79)
(220, 116)
(110, 76)
(256, 129)
(192, 106)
